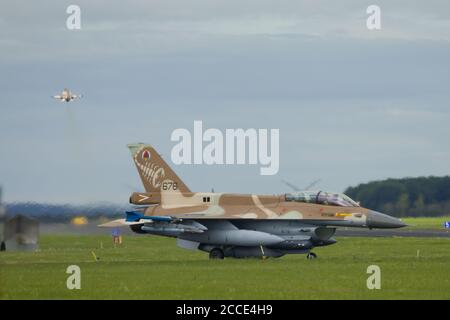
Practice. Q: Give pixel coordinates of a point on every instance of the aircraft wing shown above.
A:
(156, 223)
(136, 216)
(118, 223)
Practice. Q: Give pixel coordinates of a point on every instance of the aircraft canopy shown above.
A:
(322, 197)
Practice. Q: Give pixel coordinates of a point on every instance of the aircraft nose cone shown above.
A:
(380, 220)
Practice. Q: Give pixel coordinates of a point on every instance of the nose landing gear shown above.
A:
(311, 255)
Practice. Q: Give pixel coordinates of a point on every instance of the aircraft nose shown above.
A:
(380, 220)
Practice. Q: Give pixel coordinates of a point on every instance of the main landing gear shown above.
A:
(216, 253)
(311, 255)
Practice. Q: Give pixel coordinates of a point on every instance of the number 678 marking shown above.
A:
(169, 186)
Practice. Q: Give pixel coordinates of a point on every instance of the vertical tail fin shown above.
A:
(155, 173)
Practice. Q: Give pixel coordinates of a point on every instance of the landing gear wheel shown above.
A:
(311, 255)
(216, 253)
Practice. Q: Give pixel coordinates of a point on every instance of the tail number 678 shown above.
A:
(169, 186)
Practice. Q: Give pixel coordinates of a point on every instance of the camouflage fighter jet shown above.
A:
(67, 96)
(239, 225)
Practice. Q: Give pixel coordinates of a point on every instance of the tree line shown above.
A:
(422, 196)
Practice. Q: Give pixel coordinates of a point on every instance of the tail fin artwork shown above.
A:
(155, 173)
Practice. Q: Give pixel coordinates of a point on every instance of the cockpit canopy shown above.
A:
(322, 197)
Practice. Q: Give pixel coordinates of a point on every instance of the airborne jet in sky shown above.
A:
(239, 225)
(67, 96)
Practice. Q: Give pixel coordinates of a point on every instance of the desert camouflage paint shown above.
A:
(170, 196)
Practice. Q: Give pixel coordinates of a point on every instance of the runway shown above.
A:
(419, 233)
(91, 228)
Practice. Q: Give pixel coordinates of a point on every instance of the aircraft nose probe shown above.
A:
(380, 220)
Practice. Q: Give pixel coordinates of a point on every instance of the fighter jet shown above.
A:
(67, 96)
(239, 225)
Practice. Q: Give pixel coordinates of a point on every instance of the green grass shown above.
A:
(426, 222)
(149, 267)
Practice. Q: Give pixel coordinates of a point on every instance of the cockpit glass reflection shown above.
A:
(322, 197)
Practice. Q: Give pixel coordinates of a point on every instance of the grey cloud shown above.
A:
(377, 101)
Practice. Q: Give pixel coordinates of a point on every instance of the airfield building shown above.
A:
(2, 219)
(21, 233)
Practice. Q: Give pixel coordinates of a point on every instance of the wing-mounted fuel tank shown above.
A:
(235, 238)
(173, 229)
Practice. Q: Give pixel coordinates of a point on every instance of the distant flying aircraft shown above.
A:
(67, 96)
(239, 225)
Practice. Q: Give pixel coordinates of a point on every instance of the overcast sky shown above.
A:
(352, 105)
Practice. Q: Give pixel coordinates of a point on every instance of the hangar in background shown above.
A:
(21, 233)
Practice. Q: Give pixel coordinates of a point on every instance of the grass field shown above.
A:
(426, 222)
(149, 267)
